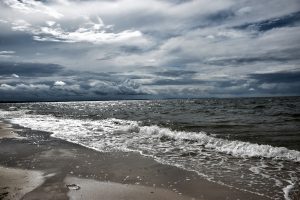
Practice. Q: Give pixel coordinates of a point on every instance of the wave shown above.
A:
(220, 160)
(106, 130)
(232, 147)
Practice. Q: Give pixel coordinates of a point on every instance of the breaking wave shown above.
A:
(229, 162)
(115, 134)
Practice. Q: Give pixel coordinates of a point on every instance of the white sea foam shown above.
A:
(287, 189)
(235, 148)
(112, 130)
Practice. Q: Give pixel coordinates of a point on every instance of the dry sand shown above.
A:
(108, 176)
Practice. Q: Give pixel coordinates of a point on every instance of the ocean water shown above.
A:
(252, 144)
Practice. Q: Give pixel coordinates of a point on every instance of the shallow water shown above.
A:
(252, 143)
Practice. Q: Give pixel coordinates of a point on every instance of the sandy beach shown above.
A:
(149, 100)
(37, 166)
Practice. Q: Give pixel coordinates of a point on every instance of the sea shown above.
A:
(252, 144)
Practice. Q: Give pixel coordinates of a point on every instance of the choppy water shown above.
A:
(252, 143)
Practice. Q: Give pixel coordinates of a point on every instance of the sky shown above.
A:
(55, 50)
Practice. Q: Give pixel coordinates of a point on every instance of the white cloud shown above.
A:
(87, 35)
(7, 54)
(15, 76)
(24, 87)
(32, 6)
(3, 21)
(50, 23)
(6, 87)
(59, 83)
(91, 32)
(244, 10)
(20, 25)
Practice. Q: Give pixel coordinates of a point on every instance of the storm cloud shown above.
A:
(29, 69)
(93, 50)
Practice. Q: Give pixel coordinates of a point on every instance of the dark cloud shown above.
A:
(278, 22)
(277, 77)
(247, 60)
(221, 16)
(68, 50)
(176, 73)
(29, 69)
(106, 57)
(176, 82)
(131, 49)
(51, 82)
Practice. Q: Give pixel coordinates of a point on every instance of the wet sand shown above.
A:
(6, 131)
(70, 171)
(116, 191)
(15, 183)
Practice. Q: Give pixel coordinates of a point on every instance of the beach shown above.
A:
(157, 99)
(37, 166)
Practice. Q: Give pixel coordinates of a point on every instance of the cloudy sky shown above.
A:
(128, 49)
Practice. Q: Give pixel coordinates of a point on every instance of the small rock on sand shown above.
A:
(73, 187)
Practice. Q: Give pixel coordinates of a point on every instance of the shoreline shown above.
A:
(63, 163)
(150, 99)
(6, 131)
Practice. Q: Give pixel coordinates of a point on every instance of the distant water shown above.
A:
(252, 144)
